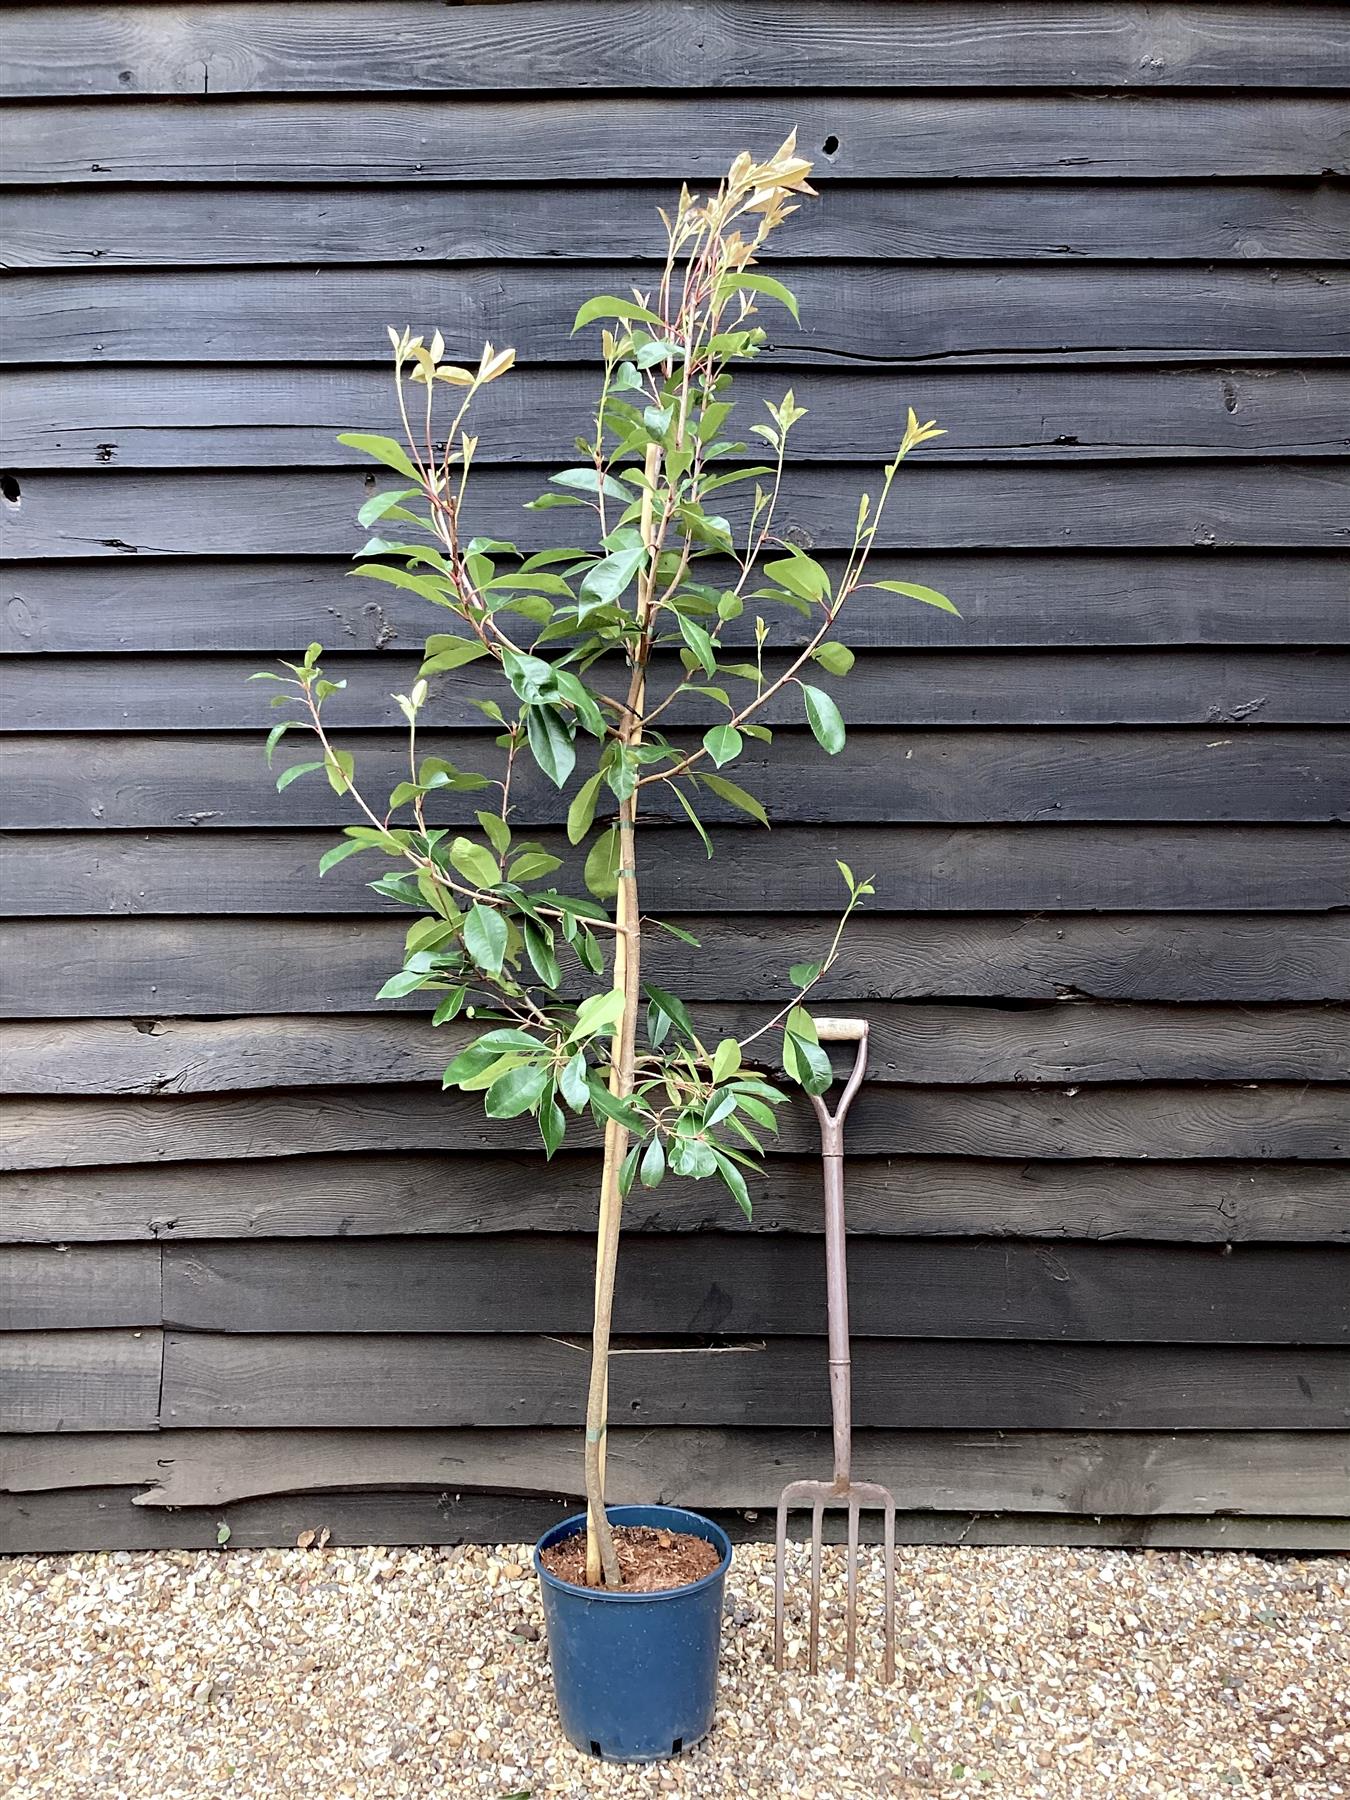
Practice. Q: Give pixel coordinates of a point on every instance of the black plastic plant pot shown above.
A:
(635, 1675)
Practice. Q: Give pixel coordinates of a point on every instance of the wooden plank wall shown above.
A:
(255, 1268)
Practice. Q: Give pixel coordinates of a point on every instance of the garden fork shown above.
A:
(842, 1490)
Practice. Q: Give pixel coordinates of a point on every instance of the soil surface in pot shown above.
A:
(649, 1560)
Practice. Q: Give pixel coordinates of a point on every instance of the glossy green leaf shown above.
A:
(929, 596)
(551, 745)
(734, 1180)
(573, 1083)
(540, 952)
(800, 575)
(477, 865)
(834, 658)
(723, 743)
(610, 306)
(726, 1059)
(597, 1013)
(339, 853)
(384, 449)
(824, 718)
(516, 1092)
(587, 481)
(533, 865)
(602, 866)
(734, 795)
(485, 937)
(296, 770)
(653, 1165)
(699, 642)
(582, 810)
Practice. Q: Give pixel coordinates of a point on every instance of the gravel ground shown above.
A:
(369, 1674)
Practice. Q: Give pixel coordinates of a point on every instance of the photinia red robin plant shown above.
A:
(572, 633)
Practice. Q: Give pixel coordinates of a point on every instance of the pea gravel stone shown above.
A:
(373, 1674)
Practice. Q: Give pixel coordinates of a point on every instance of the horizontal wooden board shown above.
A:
(566, 138)
(910, 777)
(419, 1193)
(925, 1045)
(1165, 505)
(80, 1380)
(217, 1380)
(351, 47)
(79, 1288)
(1014, 600)
(984, 868)
(769, 1285)
(1275, 1121)
(1217, 689)
(157, 967)
(1302, 1473)
(971, 314)
(965, 221)
(108, 1519)
(163, 416)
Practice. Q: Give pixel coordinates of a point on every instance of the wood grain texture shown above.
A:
(213, 1380)
(343, 46)
(566, 138)
(962, 221)
(80, 1380)
(983, 868)
(1031, 599)
(767, 1285)
(79, 1288)
(925, 1045)
(108, 1519)
(1274, 1121)
(1302, 504)
(163, 416)
(154, 967)
(880, 777)
(1302, 1474)
(968, 314)
(419, 1193)
(1220, 689)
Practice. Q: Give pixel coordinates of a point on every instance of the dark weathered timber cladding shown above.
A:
(1101, 1194)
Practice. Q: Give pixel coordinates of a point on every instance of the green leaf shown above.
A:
(550, 743)
(533, 865)
(380, 504)
(540, 952)
(726, 1059)
(609, 306)
(734, 795)
(339, 853)
(477, 865)
(587, 481)
(824, 718)
(338, 766)
(485, 937)
(497, 831)
(450, 1006)
(287, 776)
(761, 284)
(929, 596)
(734, 1180)
(515, 1092)
(699, 642)
(692, 1157)
(450, 652)
(609, 578)
(653, 1165)
(605, 1103)
(275, 736)
(582, 810)
(573, 1083)
(552, 1125)
(597, 1013)
(486, 1050)
(407, 981)
(694, 820)
(835, 659)
(673, 1008)
(685, 937)
(800, 575)
(384, 449)
(429, 587)
(803, 974)
(806, 1063)
(602, 866)
(723, 743)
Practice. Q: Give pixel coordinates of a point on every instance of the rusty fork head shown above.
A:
(854, 1495)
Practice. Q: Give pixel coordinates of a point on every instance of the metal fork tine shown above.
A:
(851, 1627)
(817, 1534)
(888, 1666)
(779, 1575)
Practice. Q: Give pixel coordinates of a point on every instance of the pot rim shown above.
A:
(621, 1596)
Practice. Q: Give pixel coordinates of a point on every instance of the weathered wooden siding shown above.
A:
(253, 1263)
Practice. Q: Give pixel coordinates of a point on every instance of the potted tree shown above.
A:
(595, 647)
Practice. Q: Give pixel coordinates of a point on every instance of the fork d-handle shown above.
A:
(833, 1031)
